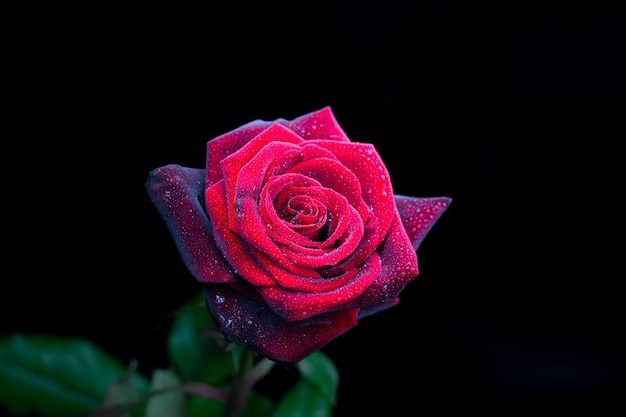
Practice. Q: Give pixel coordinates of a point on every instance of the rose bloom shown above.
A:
(293, 232)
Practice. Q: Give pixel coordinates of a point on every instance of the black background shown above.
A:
(515, 111)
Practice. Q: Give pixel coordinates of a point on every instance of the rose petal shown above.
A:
(177, 193)
(419, 215)
(368, 243)
(295, 305)
(252, 325)
(320, 124)
(312, 151)
(368, 311)
(303, 283)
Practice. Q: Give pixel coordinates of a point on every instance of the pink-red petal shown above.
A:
(320, 124)
(234, 249)
(304, 283)
(295, 305)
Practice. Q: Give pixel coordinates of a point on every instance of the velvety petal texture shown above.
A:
(293, 231)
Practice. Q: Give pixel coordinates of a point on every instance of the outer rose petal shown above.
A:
(176, 192)
(222, 146)
(368, 311)
(320, 124)
(419, 215)
(254, 326)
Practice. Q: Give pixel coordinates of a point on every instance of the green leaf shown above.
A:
(55, 376)
(195, 355)
(171, 403)
(314, 393)
(303, 400)
(319, 370)
(203, 407)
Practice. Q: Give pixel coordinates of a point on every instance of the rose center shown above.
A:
(307, 216)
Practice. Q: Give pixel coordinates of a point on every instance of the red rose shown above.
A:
(293, 231)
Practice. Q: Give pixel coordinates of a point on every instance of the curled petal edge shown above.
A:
(419, 215)
(178, 194)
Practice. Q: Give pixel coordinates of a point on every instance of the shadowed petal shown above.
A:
(177, 193)
(252, 325)
(368, 311)
(419, 215)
